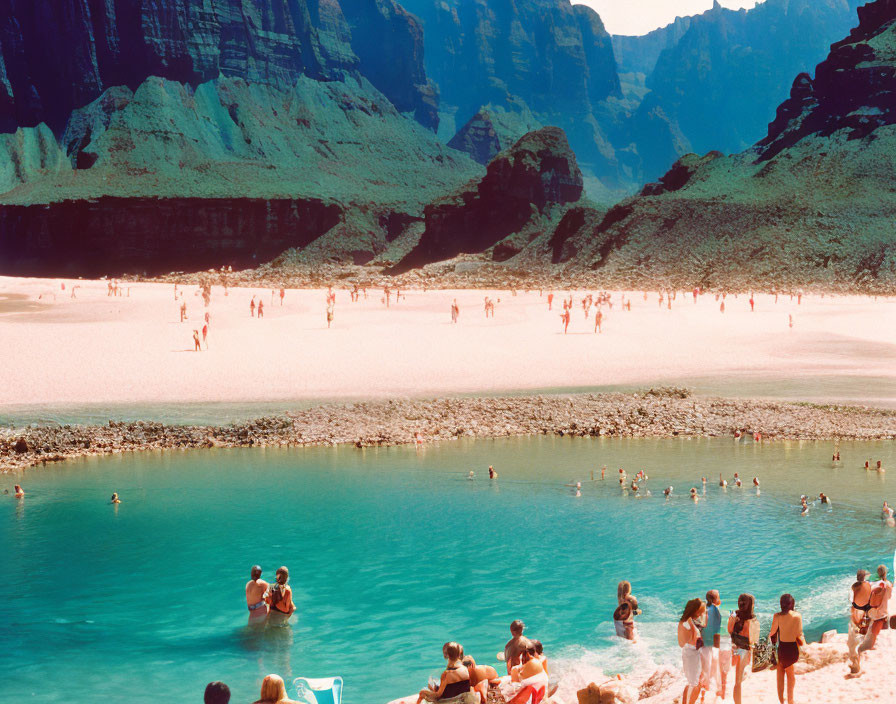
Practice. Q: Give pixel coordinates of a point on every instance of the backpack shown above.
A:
(877, 596)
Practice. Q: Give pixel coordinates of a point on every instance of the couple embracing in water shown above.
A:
(274, 599)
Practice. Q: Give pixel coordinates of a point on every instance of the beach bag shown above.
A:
(765, 656)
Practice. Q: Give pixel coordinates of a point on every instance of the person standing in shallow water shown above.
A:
(515, 646)
(279, 596)
(690, 643)
(256, 588)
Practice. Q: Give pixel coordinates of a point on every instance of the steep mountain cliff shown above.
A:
(515, 199)
(811, 203)
(549, 61)
(59, 56)
(721, 80)
(255, 124)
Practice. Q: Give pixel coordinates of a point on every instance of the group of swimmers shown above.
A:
(19, 493)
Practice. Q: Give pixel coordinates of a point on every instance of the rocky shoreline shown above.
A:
(657, 413)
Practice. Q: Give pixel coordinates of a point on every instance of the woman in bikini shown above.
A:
(787, 632)
(279, 597)
(691, 643)
(455, 679)
(531, 675)
(743, 626)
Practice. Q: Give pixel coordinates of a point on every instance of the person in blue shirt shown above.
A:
(716, 660)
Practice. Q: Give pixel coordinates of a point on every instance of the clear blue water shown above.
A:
(392, 552)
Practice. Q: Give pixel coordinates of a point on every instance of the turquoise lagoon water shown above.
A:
(393, 551)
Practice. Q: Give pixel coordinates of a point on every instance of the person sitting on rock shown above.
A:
(481, 678)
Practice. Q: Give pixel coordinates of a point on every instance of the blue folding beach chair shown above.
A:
(322, 690)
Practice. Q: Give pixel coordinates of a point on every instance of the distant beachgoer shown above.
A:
(722, 307)
(115, 499)
(279, 596)
(492, 474)
(256, 588)
(787, 632)
(667, 492)
(743, 626)
(565, 318)
(514, 647)
(472, 475)
(880, 467)
(804, 507)
(550, 300)
(282, 294)
(18, 492)
(867, 465)
(183, 311)
(603, 471)
(196, 346)
(723, 482)
(598, 320)
(205, 335)
(207, 318)
(252, 307)
(756, 482)
(273, 691)
(329, 316)
(886, 515)
(216, 693)
(752, 304)
(790, 321)
(260, 308)
(694, 496)
(824, 498)
(690, 643)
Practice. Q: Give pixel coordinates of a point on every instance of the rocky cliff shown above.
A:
(721, 80)
(59, 56)
(521, 188)
(548, 61)
(812, 203)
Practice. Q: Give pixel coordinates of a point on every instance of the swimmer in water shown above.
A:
(824, 498)
(804, 507)
(867, 465)
(667, 492)
(472, 475)
(492, 474)
(115, 499)
(603, 471)
(756, 482)
(738, 482)
(886, 515)
(634, 486)
(880, 468)
(694, 496)
(19, 492)
(578, 493)
(723, 482)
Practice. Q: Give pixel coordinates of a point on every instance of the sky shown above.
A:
(642, 16)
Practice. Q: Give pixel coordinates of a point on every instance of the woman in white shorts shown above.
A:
(691, 644)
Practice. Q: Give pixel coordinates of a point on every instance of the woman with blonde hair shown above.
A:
(273, 691)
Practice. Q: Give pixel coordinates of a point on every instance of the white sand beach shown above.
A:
(133, 348)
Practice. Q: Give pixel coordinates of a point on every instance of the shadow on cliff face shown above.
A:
(108, 236)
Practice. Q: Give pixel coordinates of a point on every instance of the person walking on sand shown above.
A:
(256, 588)
(752, 304)
(183, 311)
(690, 643)
(196, 346)
(205, 335)
(282, 294)
(260, 309)
(252, 307)
(722, 307)
(550, 300)
(598, 319)
(329, 316)
(787, 633)
(743, 626)
(565, 318)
